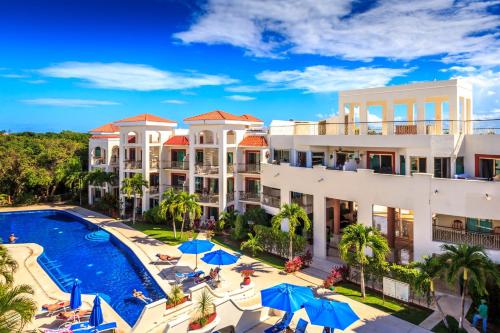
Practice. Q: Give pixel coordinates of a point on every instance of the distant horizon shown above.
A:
(78, 65)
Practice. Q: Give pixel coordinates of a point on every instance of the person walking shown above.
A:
(482, 313)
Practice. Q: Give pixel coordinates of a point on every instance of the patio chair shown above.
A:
(180, 277)
(281, 325)
(101, 328)
(301, 326)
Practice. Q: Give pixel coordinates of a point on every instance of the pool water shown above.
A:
(76, 248)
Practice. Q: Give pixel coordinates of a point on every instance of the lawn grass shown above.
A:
(266, 258)
(452, 322)
(410, 313)
(161, 232)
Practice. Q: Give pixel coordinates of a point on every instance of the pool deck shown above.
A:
(372, 320)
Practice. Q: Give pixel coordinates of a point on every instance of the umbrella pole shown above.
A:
(196, 266)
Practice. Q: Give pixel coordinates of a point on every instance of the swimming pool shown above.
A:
(76, 248)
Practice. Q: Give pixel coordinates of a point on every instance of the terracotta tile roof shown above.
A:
(145, 117)
(249, 117)
(105, 137)
(222, 115)
(108, 128)
(177, 140)
(254, 141)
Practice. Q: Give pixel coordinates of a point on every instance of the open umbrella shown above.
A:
(332, 314)
(76, 295)
(196, 246)
(96, 317)
(286, 297)
(219, 258)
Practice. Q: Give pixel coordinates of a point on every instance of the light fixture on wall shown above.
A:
(487, 196)
(436, 192)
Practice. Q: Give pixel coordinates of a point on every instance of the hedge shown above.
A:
(276, 241)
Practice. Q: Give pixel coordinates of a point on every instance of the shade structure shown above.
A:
(96, 317)
(332, 314)
(219, 258)
(76, 295)
(286, 297)
(196, 246)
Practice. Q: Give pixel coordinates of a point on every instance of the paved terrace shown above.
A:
(146, 248)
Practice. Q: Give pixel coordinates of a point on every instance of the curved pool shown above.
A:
(76, 248)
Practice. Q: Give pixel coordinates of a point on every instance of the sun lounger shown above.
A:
(101, 328)
(77, 315)
(281, 325)
(57, 330)
(180, 277)
(55, 307)
(301, 326)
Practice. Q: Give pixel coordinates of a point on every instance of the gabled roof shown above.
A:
(222, 115)
(177, 140)
(145, 117)
(105, 137)
(108, 128)
(254, 141)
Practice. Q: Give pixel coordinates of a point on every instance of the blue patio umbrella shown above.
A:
(96, 317)
(219, 258)
(332, 314)
(196, 246)
(76, 295)
(286, 297)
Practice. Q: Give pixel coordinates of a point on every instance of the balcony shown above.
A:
(154, 189)
(457, 236)
(98, 161)
(211, 198)
(230, 168)
(250, 196)
(206, 169)
(154, 164)
(132, 165)
(249, 168)
(176, 165)
(230, 196)
(114, 160)
(177, 188)
(271, 200)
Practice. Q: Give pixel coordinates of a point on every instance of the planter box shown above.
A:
(183, 300)
(197, 326)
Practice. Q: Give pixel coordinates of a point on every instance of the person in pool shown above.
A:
(12, 238)
(139, 295)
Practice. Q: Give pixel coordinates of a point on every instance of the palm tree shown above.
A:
(7, 266)
(17, 308)
(132, 187)
(430, 269)
(294, 214)
(76, 177)
(356, 239)
(470, 264)
(227, 218)
(252, 243)
(188, 204)
(98, 177)
(168, 207)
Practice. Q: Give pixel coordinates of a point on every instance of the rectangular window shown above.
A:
(178, 155)
(418, 164)
(179, 180)
(459, 165)
(479, 225)
(252, 185)
(402, 165)
(230, 158)
(282, 155)
(489, 167)
(301, 159)
(381, 162)
(199, 157)
(442, 167)
(318, 158)
(198, 184)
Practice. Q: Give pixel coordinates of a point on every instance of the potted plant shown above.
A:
(246, 273)
(204, 309)
(293, 265)
(176, 297)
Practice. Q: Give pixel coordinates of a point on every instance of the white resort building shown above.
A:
(420, 171)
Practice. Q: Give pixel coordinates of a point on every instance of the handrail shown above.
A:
(461, 236)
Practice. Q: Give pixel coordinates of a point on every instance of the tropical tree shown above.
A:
(76, 177)
(252, 243)
(187, 204)
(430, 269)
(227, 218)
(294, 214)
(99, 177)
(168, 207)
(132, 187)
(8, 266)
(355, 242)
(17, 307)
(204, 306)
(471, 265)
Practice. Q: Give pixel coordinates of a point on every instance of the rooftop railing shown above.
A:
(212, 198)
(176, 165)
(458, 236)
(206, 169)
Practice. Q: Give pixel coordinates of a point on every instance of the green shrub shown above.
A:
(258, 216)
(153, 216)
(277, 241)
(240, 228)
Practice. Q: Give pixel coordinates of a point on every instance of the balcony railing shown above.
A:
(250, 196)
(212, 198)
(206, 169)
(249, 168)
(177, 188)
(154, 189)
(98, 161)
(230, 168)
(129, 164)
(176, 165)
(457, 236)
(230, 196)
(154, 164)
(271, 200)
(114, 160)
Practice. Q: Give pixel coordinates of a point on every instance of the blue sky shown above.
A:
(79, 64)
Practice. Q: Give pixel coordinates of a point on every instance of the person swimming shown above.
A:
(12, 238)
(139, 295)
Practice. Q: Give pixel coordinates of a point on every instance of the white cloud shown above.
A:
(38, 81)
(15, 76)
(395, 29)
(241, 98)
(323, 79)
(173, 101)
(132, 76)
(68, 102)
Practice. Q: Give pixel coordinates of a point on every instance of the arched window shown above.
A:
(206, 137)
(231, 138)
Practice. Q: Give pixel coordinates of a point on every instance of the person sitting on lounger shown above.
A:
(139, 295)
(58, 306)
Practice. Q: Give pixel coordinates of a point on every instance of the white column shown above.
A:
(145, 171)
(420, 106)
(191, 161)
(222, 170)
(309, 159)
(341, 125)
(363, 118)
(319, 226)
(121, 173)
(422, 225)
(454, 105)
(389, 117)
